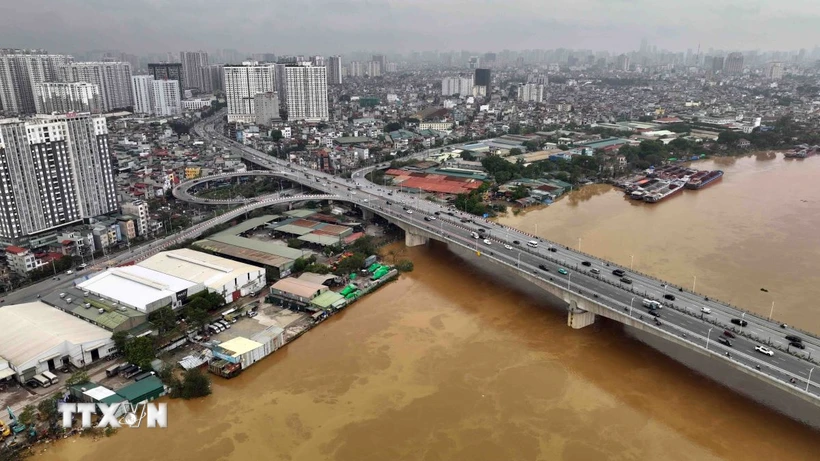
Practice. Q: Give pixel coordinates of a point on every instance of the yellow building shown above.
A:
(192, 172)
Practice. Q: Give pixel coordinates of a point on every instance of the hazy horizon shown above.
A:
(390, 26)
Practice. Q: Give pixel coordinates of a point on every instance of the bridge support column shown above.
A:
(414, 240)
(367, 215)
(579, 318)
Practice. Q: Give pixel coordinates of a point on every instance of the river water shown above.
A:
(445, 364)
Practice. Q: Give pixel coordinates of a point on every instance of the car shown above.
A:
(516, 242)
(427, 218)
(465, 220)
(594, 271)
(437, 213)
(389, 193)
(365, 200)
(670, 297)
(724, 341)
(562, 271)
(432, 218)
(794, 339)
(626, 280)
(740, 322)
(618, 273)
(506, 247)
(409, 211)
(353, 192)
(543, 267)
(764, 350)
(487, 242)
(654, 313)
(586, 263)
(481, 230)
(798, 345)
(553, 249)
(706, 310)
(728, 334)
(783, 325)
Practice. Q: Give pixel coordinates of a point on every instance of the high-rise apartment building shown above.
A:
(531, 92)
(622, 62)
(475, 62)
(457, 86)
(156, 97)
(113, 79)
(334, 70)
(381, 61)
(482, 77)
(168, 71)
(20, 72)
(242, 84)
(354, 69)
(67, 97)
(266, 106)
(317, 60)
(306, 92)
(192, 64)
(374, 69)
(734, 63)
(54, 170)
(213, 78)
(774, 70)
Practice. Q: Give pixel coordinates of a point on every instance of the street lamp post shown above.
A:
(630, 305)
(631, 261)
(579, 244)
(707, 338)
(694, 281)
(808, 381)
(519, 260)
(771, 312)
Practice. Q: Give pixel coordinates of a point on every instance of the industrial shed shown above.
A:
(37, 337)
(229, 278)
(140, 288)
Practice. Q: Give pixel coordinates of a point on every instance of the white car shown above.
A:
(409, 211)
(507, 247)
(365, 200)
(487, 242)
(764, 350)
(432, 218)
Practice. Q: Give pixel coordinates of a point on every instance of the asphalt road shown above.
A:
(682, 317)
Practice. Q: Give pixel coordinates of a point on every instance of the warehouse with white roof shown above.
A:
(140, 288)
(229, 278)
(37, 337)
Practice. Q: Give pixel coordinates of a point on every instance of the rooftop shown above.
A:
(32, 329)
(135, 286)
(239, 345)
(196, 266)
(301, 288)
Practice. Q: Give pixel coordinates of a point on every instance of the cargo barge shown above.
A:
(706, 180)
(668, 190)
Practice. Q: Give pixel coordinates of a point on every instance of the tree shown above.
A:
(78, 377)
(140, 351)
(405, 265)
(520, 191)
(27, 415)
(120, 340)
(295, 243)
(48, 408)
(196, 313)
(515, 151)
(194, 384)
(350, 264)
(392, 126)
(164, 319)
(276, 135)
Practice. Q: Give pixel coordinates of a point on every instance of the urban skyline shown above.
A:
(390, 26)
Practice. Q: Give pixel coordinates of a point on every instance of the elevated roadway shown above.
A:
(690, 320)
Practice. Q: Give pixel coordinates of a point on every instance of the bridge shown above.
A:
(689, 323)
(182, 191)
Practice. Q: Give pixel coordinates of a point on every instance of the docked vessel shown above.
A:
(667, 190)
(710, 178)
(696, 178)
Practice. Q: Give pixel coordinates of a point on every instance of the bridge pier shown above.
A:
(414, 240)
(367, 215)
(579, 318)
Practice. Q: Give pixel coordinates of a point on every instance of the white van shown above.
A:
(42, 380)
(532, 244)
(651, 304)
(706, 310)
(51, 377)
(473, 235)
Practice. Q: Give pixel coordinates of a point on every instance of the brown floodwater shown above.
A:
(757, 228)
(446, 364)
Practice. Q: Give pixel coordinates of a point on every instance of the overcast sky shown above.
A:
(338, 26)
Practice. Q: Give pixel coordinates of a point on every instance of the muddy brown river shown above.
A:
(446, 364)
